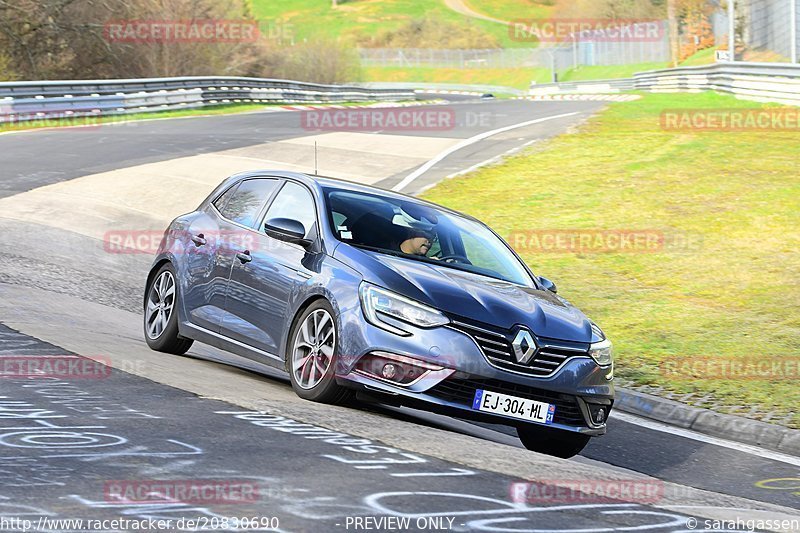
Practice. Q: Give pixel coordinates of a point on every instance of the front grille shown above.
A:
(496, 346)
(462, 391)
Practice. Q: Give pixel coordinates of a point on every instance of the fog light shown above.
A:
(598, 413)
(389, 371)
(397, 369)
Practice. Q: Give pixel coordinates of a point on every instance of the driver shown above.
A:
(416, 233)
(417, 242)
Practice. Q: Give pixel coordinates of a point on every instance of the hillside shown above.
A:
(363, 20)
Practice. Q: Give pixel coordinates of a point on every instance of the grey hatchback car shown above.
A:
(358, 291)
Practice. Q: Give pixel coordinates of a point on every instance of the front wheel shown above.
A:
(555, 442)
(161, 314)
(311, 355)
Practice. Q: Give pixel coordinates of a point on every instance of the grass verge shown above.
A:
(607, 72)
(518, 78)
(731, 294)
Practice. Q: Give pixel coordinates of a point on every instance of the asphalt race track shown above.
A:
(67, 446)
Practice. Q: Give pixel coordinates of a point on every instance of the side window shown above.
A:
(222, 199)
(294, 201)
(246, 202)
(338, 219)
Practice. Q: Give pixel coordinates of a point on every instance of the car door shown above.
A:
(262, 286)
(213, 241)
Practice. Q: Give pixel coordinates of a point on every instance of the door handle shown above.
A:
(199, 240)
(244, 257)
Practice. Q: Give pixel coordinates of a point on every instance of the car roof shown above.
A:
(327, 182)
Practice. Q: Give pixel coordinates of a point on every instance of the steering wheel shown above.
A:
(455, 258)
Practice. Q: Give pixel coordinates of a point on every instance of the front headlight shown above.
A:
(601, 352)
(379, 303)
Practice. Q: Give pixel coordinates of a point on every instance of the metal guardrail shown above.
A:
(444, 88)
(761, 82)
(26, 100)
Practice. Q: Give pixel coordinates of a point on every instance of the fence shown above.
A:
(764, 30)
(25, 100)
(767, 25)
(580, 51)
(452, 58)
(584, 51)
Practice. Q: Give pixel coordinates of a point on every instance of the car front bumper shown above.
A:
(578, 388)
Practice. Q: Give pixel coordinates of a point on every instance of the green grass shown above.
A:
(518, 78)
(357, 18)
(737, 194)
(607, 72)
(511, 10)
(703, 57)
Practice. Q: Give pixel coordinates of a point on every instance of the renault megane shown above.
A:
(353, 288)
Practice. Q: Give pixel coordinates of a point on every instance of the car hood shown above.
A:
(471, 296)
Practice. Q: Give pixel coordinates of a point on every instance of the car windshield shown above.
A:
(420, 232)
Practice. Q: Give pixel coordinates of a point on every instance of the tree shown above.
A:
(319, 60)
(69, 39)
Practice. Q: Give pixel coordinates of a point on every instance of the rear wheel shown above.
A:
(161, 316)
(555, 442)
(311, 354)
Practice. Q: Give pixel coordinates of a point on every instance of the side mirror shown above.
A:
(549, 285)
(287, 230)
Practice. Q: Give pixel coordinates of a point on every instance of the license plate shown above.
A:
(522, 408)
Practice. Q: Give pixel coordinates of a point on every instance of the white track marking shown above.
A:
(689, 434)
(467, 142)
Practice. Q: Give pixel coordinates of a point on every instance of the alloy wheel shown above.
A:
(160, 304)
(312, 352)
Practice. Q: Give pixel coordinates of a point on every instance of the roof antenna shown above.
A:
(316, 169)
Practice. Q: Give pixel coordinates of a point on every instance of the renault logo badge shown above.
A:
(524, 346)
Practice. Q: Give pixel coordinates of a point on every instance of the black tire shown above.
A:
(326, 390)
(555, 442)
(167, 339)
